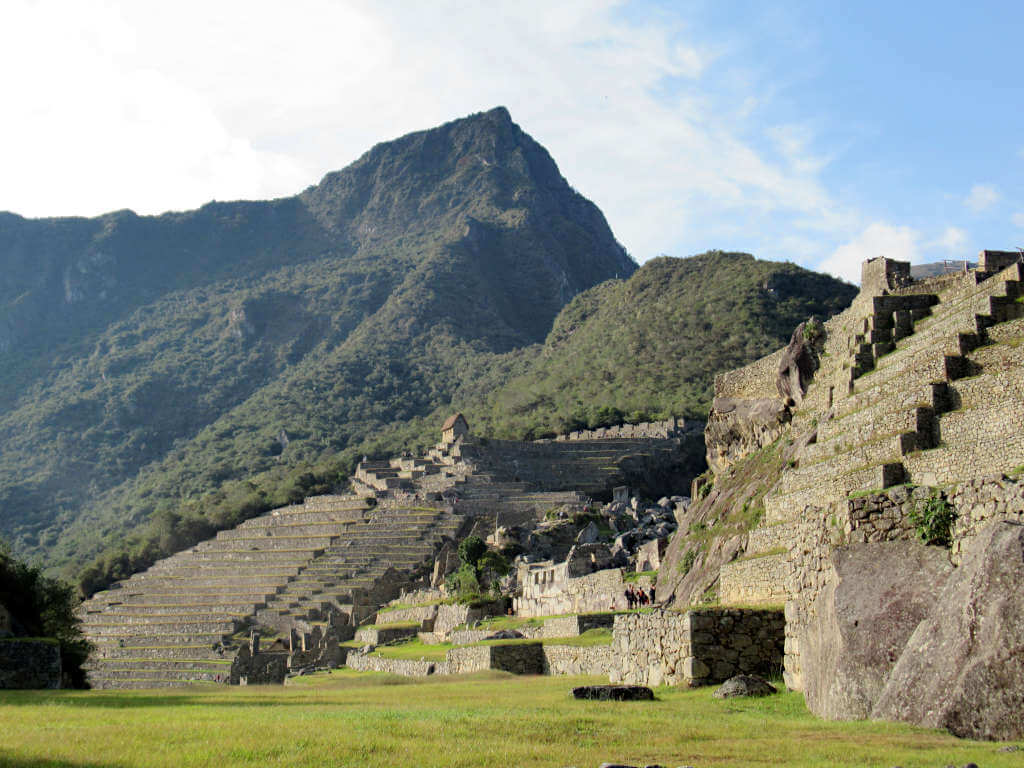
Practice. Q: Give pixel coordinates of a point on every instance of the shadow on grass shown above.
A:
(9, 761)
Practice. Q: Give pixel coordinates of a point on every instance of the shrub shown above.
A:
(686, 565)
(933, 517)
(44, 607)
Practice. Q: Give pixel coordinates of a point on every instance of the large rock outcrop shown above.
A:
(865, 615)
(963, 667)
(799, 362)
(738, 427)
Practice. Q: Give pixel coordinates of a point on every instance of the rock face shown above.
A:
(738, 427)
(744, 685)
(798, 364)
(880, 594)
(963, 667)
(613, 693)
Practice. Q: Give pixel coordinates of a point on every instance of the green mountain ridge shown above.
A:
(166, 377)
(153, 363)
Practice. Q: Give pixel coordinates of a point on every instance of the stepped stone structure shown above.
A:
(313, 572)
(911, 399)
(521, 477)
(327, 564)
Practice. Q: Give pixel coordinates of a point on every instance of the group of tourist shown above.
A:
(637, 598)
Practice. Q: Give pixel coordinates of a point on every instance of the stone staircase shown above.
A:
(931, 390)
(173, 624)
(363, 568)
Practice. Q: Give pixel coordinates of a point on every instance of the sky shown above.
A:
(820, 132)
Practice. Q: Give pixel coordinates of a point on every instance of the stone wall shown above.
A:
(571, 660)
(29, 663)
(597, 592)
(759, 579)
(697, 647)
(751, 382)
(517, 658)
(451, 616)
(648, 430)
(407, 667)
(418, 614)
(573, 626)
(978, 501)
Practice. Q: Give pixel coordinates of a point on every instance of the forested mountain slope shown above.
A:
(649, 347)
(188, 369)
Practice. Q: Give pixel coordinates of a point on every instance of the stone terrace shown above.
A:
(914, 387)
(172, 624)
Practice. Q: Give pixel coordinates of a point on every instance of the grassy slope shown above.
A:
(489, 720)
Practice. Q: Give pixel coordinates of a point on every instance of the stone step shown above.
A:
(759, 580)
(296, 556)
(179, 597)
(815, 474)
(200, 584)
(918, 422)
(786, 507)
(177, 609)
(994, 285)
(288, 531)
(903, 394)
(184, 624)
(156, 651)
(120, 637)
(200, 665)
(138, 673)
(986, 437)
(304, 516)
(927, 367)
(957, 334)
(262, 543)
(132, 685)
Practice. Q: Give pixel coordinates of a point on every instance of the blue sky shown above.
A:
(818, 132)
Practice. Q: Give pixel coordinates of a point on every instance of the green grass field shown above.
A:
(368, 719)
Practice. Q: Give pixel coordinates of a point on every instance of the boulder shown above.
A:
(589, 534)
(865, 616)
(963, 667)
(797, 366)
(505, 634)
(744, 685)
(613, 692)
(736, 428)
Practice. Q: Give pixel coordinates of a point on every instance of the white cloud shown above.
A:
(1018, 220)
(877, 239)
(952, 240)
(981, 197)
(137, 105)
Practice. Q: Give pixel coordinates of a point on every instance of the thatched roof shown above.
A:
(452, 420)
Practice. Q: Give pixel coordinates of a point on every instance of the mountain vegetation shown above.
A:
(44, 607)
(166, 377)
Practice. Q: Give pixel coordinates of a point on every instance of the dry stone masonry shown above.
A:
(913, 412)
(696, 647)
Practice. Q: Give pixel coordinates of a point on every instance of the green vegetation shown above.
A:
(43, 607)
(414, 649)
(635, 576)
(200, 368)
(649, 347)
(479, 572)
(491, 719)
(933, 517)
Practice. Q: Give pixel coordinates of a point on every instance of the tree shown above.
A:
(44, 607)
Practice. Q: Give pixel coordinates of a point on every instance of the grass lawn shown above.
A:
(492, 719)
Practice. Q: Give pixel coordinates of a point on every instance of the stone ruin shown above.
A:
(909, 400)
(906, 407)
(313, 572)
